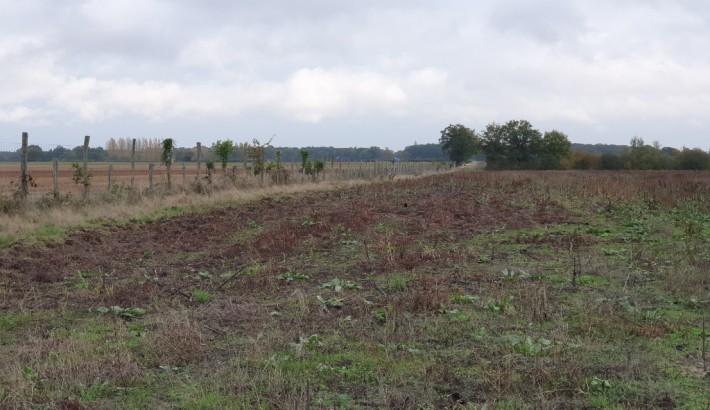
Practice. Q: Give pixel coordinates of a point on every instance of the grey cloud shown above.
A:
(545, 21)
(412, 66)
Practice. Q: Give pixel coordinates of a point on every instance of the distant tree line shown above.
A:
(35, 153)
(417, 152)
(518, 145)
(513, 145)
(150, 149)
(599, 148)
(639, 155)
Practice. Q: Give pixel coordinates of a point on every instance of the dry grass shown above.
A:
(175, 338)
(75, 215)
(70, 362)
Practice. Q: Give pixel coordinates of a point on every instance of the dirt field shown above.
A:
(421, 213)
(548, 290)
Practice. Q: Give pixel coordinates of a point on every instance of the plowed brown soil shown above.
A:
(426, 209)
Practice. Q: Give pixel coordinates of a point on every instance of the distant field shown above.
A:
(41, 173)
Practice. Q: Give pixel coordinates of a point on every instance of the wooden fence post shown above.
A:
(199, 159)
(55, 176)
(169, 166)
(184, 177)
(23, 165)
(133, 164)
(86, 165)
(110, 178)
(150, 176)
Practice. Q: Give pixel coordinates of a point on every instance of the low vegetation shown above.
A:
(466, 289)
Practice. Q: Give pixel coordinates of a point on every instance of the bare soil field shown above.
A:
(42, 176)
(457, 290)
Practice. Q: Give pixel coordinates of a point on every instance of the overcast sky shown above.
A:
(353, 73)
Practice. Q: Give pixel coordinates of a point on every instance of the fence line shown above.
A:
(61, 177)
(118, 177)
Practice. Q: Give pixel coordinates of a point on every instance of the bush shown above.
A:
(692, 159)
(581, 160)
(610, 162)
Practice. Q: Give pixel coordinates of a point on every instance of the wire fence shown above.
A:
(109, 177)
(24, 169)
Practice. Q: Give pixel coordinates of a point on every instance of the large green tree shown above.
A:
(459, 143)
(518, 145)
(494, 146)
(523, 143)
(692, 159)
(554, 146)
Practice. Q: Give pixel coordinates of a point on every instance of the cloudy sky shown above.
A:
(353, 73)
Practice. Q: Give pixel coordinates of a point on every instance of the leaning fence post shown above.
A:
(23, 164)
(86, 165)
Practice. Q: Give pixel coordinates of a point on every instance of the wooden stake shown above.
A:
(110, 178)
(133, 165)
(55, 176)
(86, 165)
(199, 159)
(23, 164)
(150, 176)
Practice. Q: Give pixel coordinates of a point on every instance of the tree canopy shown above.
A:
(518, 145)
(554, 146)
(459, 143)
(223, 149)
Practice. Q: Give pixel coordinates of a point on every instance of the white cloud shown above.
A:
(15, 114)
(427, 77)
(308, 95)
(407, 64)
(313, 94)
(17, 45)
(127, 15)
